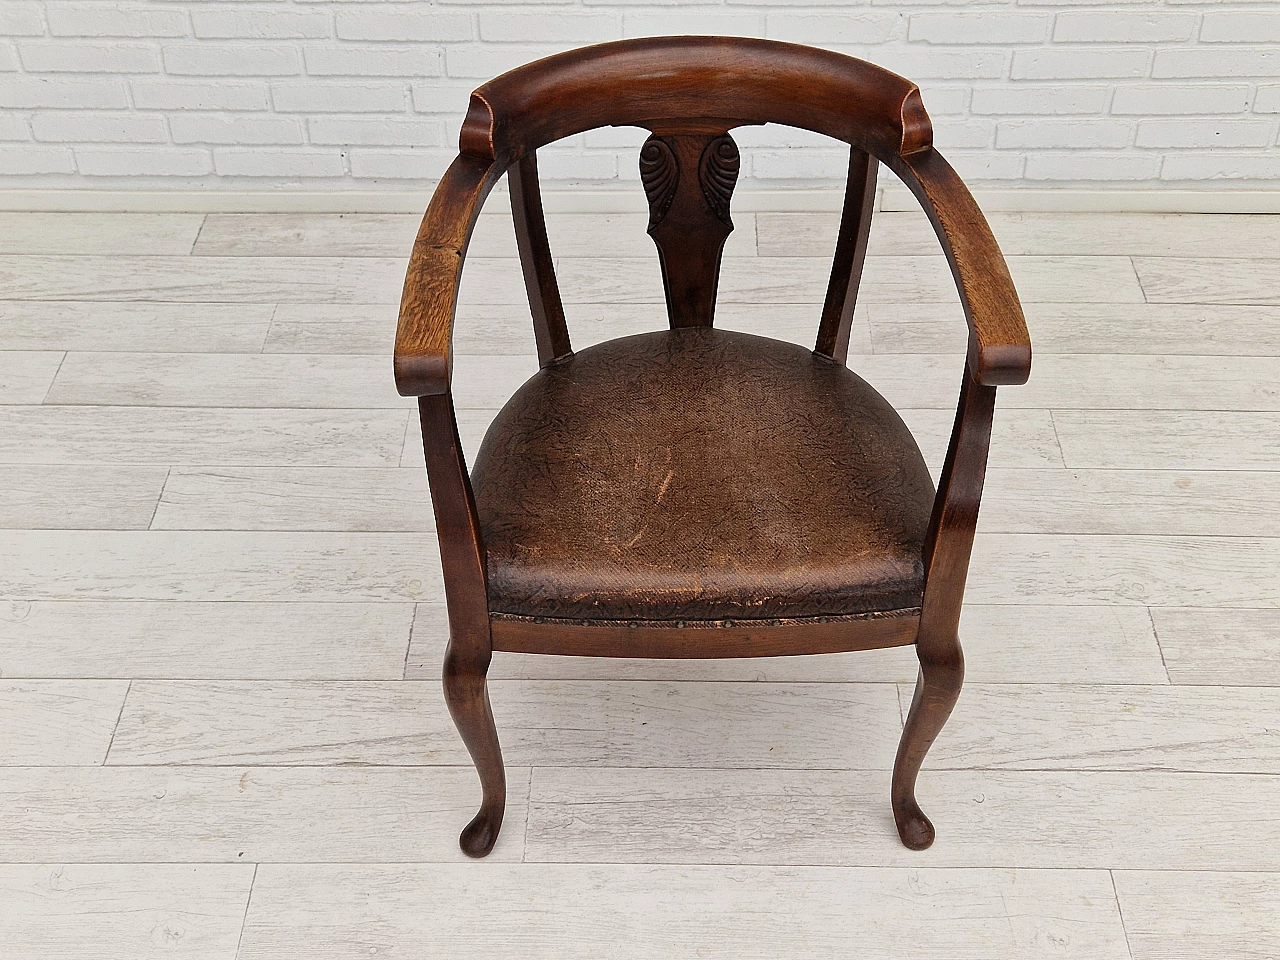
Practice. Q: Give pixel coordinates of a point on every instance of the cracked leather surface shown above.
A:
(700, 474)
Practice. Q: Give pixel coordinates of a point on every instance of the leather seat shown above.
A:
(700, 475)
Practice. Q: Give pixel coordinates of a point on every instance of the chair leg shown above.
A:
(467, 694)
(937, 689)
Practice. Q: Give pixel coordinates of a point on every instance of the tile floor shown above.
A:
(221, 622)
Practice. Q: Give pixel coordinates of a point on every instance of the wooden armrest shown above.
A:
(999, 346)
(424, 336)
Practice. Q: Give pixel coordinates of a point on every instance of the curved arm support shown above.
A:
(999, 346)
(949, 540)
(462, 557)
(424, 337)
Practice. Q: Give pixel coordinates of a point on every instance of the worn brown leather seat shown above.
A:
(700, 474)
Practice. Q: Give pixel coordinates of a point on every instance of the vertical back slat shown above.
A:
(535, 261)
(851, 252)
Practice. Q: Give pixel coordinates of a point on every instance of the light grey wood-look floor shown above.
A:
(221, 616)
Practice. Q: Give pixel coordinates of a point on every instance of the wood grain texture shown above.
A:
(217, 565)
(135, 326)
(1143, 570)
(1006, 644)
(1180, 916)
(1136, 234)
(306, 235)
(344, 328)
(391, 234)
(1039, 234)
(245, 814)
(1168, 439)
(472, 425)
(813, 234)
(1042, 820)
(1019, 438)
(1233, 647)
(25, 376)
(112, 234)
(587, 723)
(355, 438)
(1089, 328)
(276, 723)
(999, 348)
(1099, 381)
(79, 496)
(58, 722)
(1083, 649)
(1154, 383)
(424, 332)
(202, 279)
(534, 911)
(228, 380)
(766, 280)
(1075, 279)
(1174, 502)
(488, 329)
(1070, 727)
(294, 498)
(142, 911)
(1209, 280)
(203, 640)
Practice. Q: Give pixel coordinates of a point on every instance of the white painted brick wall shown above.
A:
(369, 94)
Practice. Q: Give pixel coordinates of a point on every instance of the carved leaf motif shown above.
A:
(718, 173)
(659, 172)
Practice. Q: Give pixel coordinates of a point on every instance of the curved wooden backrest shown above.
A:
(657, 82)
(689, 92)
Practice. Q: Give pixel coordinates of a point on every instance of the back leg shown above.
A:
(937, 689)
(467, 694)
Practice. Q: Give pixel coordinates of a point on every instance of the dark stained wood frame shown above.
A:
(690, 92)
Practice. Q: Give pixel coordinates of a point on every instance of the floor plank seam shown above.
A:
(160, 499)
(111, 741)
(724, 864)
(244, 920)
(797, 770)
(54, 379)
(196, 240)
(1120, 910)
(266, 335)
(528, 810)
(405, 442)
(413, 621)
(1155, 632)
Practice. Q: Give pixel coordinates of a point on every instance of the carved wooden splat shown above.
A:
(689, 180)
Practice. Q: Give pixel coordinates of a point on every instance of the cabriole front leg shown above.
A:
(466, 691)
(937, 689)
(946, 559)
(466, 659)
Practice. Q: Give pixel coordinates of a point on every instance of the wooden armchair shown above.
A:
(692, 492)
